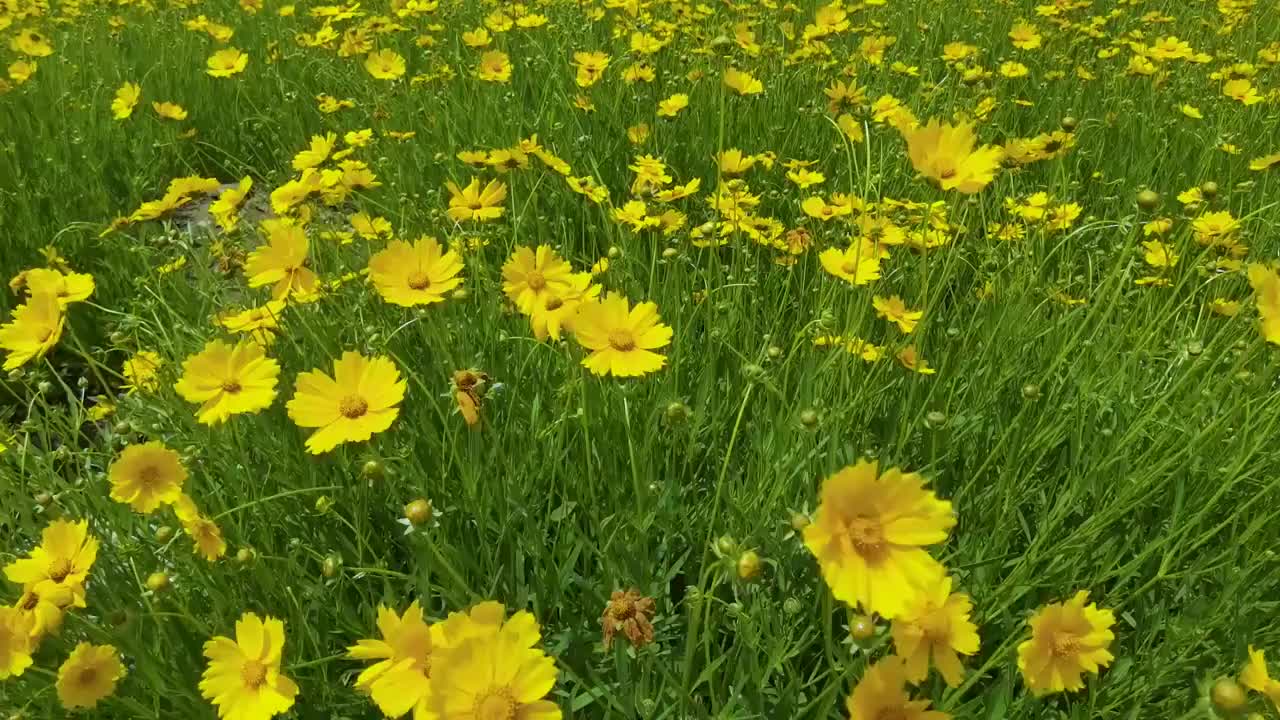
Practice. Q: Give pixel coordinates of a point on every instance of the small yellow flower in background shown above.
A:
(858, 264)
(228, 380)
(591, 67)
(945, 154)
(1242, 91)
(226, 209)
(742, 83)
(1254, 676)
(360, 399)
(384, 64)
(125, 101)
(369, 228)
(671, 106)
(936, 625)
(1265, 282)
(1068, 639)
(15, 642)
(169, 111)
(882, 693)
(478, 37)
(316, 153)
(909, 358)
(61, 561)
(68, 288)
(1266, 162)
(204, 532)
(1025, 36)
(1224, 307)
(493, 669)
(622, 339)
(147, 476)
(494, 66)
(869, 534)
(1192, 112)
(805, 178)
(89, 675)
(243, 679)
(474, 203)
(1013, 70)
(735, 162)
(400, 681)
(895, 311)
(226, 62)
(281, 263)
(34, 330)
(554, 312)
(417, 274)
(21, 71)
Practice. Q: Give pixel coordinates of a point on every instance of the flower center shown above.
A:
(353, 406)
(622, 340)
(535, 280)
(1065, 644)
(849, 267)
(45, 335)
(867, 536)
(554, 303)
(231, 386)
(59, 569)
(947, 174)
(30, 602)
(88, 676)
(497, 704)
(149, 477)
(892, 713)
(419, 281)
(253, 674)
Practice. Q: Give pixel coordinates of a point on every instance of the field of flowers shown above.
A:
(462, 359)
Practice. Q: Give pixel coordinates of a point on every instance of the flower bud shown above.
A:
(332, 566)
(157, 582)
(809, 418)
(373, 470)
(1227, 696)
(614, 253)
(862, 628)
(44, 499)
(669, 253)
(792, 606)
(774, 352)
(1148, 200)
(725, 545)
(324, 504)
(1209, 190)
(799, 521)
(164, 534)
(748, 566)
(678, 412)
(419, 512)
(1069, 123)
(245, 555)
(1031, 391)
(935, 419)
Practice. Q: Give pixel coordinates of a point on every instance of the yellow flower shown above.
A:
(493, 669)
(62, 560)
(89, 675)
(359, 400)
(226, 209)
(937, 624)
(125, 101)
(1266, 162)
(530, 275)
(68, 288)
(473, 203)
(945, 154)
(30, 42)
(1067, 640)
(672, 106)
(742, 83)
(621, 339)
(259, 322)
(494, 66)
(243, 679)
(1265, 282)
(281, 263)
(45, 606)
(1025, 36)
(226, 62)
(554, 311)
(909, 358)
(805, 178)
(1242, 91)
(1254, 676)
(400, 681)
(895, 311)
(591, 67)
(15, 642)
(417, 274)
(35, 329)
(882, 693)
(384, 64)
(204, 532)
(858, 264)
(1192, 112)
(21, 70)
(869, 533)
(319, 150)
(228, 380)
(735, 162)
(478, 37)
(169, 111)
(147, 476)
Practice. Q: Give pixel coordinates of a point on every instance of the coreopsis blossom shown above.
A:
(226, 209)
(89, 675)
(243, 679)
(384, 64)
(61, 561)
(742, 83)
(909, 358)
(1242, 91)
(147, 476)
(468, 391)
(260, 323)
(125, 100)
(321, 146)
(946, 155)
(1025, 36)
(591, 67)
(895, 311)
(1067, 640)
(46, 605)
(169, 110)
(495, 66)
(400, 679)
(67, 287)
(33, 331)
(530, 275)
(935, 625)
(361, 398)
(204, 532)
(858, 264)
(1265, 282)
(228, 380)
(805, 178)
(1254, 676)
(417, 274)
(226, 62)
(882, 693)
(1266, 162)
(15, 642)
(622, 339)
(630, 614)
(671, 106)
(869, 535)
(281, 263)
(474, 203)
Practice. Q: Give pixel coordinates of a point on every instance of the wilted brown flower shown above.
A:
(631, 614)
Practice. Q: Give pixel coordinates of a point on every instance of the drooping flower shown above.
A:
(67, 287)
(281, 263)
(15, 642)
(858, 264)
(61, 562)
(882, 693)
(34, 330)
(622, 339)
(895, 311)
(360, 399)
(945, 154)
(935, 625)
(147, 476)
(169, 110)
(531, 275)
(204, 532)
(226, 62)
(742, 83)
(417, 274)
(141, 371)
(243, 679)
(401, 679)
(631, 614)
(869, 536)
(260, 323)
(228, 380)
(1254, 676)
(474, 203)
(1068, 639)
(89, 675)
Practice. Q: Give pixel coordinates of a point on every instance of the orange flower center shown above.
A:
(253, 674)
(231, 386)
(535, 280)
(892, 713)
(867, 536)
(88, 676)
(554, 303)
(45, 335)
(622, 340)
(59, 569)
(149, 477)
(30, 602)
(497, 704)
(947, 174)
(419, 281)
(1065, 644)
(353, 406)
(849, 267)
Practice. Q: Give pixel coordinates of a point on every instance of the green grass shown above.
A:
(1126, 446)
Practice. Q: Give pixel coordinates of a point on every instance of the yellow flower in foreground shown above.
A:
(858, 264)
(35, 329)
(147, 476)
(1266, 162)
(125, 101)
(68, 288)
(384, 64)
(226, 62)
(229, 380)
(494, 66)
(493, 670)
(399, 682)
(895, 311)
(1266, 284)
(140, 371)
(473, 203)
(882, 693)
(243, 679)
(281, 263)
(1254, 676)
(869, 534)
(554, 312)
(672, 106)
(417, 274)
(1067, 640)
(62, 560)
(937, 624)
(622, 339)
(742, 83)
(89, 675)
(530, 275)
(15, 642)
(318, 150)
(945, 154)
(45, 607)
(361, 399)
